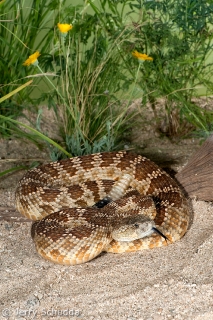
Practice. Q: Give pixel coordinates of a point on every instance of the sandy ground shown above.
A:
(174, 282)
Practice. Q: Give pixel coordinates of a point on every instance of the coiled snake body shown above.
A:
(114, 201)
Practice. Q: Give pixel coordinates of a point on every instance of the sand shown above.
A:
(173, 282)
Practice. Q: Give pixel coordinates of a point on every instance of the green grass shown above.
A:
(83, 76)
(178, 36)
(20, 23)
(89, 77)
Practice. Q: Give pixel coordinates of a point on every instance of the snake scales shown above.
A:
(114, 201)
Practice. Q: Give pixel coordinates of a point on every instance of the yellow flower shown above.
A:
(141, 56)
(64, 27)
(32, 59)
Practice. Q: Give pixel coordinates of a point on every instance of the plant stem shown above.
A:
(42, 136)
(52, 84)
(136, 78)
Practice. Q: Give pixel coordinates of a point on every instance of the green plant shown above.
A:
(178, 35)
(82, 72)
(20, 22)
(88, 74)
(36, 133)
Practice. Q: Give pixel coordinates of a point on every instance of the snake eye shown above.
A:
(136, 225)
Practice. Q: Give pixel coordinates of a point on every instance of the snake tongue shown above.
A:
(160, 233)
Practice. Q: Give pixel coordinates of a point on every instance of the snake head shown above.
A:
(134, 228)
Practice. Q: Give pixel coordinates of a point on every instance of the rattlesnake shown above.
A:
(114, 201)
